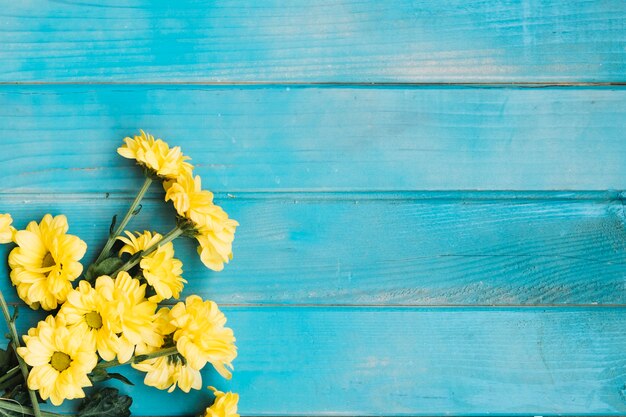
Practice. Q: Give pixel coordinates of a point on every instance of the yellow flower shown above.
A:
(6, 230)
(156, 156)
(225, 404)
(45, 262)
(126, 303)
(160, 268)
(215, 231)
(216, 243)
(201, 336)
(166, 373)
(189, 199)
(89, 311)
(61, 359)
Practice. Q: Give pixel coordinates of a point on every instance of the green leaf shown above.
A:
(90, 275)
(137, 210)
(106, 403)
(121, 378)
(104, 267)
(112, 227)
(100, 374)
(109, 265)
(16, 311)
(8, 413)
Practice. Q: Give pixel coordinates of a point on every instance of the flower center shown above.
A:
(60, 361)
(48, 261)
(93, 319)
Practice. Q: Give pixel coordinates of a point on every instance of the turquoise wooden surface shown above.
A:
(405, 248)
(328, 41)
(451, 244)
(308, 138)
(302, 361)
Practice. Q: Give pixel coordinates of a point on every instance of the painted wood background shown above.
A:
(430, 193)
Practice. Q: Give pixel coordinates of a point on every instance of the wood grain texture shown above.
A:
(319, 41)
(391, 249)
(63, 138)
(377, 221)
(407, 361)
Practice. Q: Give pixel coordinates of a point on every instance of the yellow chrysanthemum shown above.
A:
(156, 156)
(189, 199)
(215, 245)
(225, 404)
(166, 373)
(61, 359)
(160, 268)
(126, 304)
(215, 231)
(6, 230)
(201, 336)
(45, 262)
(88, 310)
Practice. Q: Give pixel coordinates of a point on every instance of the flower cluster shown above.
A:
(210, 224)
(110, 314)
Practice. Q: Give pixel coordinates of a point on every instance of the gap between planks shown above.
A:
(401, 306)
(347, 195)
(414, 415)
(332, 84)
(424, 415)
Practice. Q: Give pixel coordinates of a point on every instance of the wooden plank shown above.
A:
(320, 41)
(63, 138)
(412, 361)
(387, 249)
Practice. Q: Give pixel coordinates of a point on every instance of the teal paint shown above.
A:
(404, 248)
(319, 139)
(341, 41)
(416, 361)
(378, 221)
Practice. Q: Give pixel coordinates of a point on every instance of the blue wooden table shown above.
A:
(430, 192)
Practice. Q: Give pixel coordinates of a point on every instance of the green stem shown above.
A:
(122, 225)
(136, 258)
(15, 341)
(139, 358)
(10, 405)
(9, 373)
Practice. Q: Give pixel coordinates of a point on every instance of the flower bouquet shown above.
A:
(122, 309)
